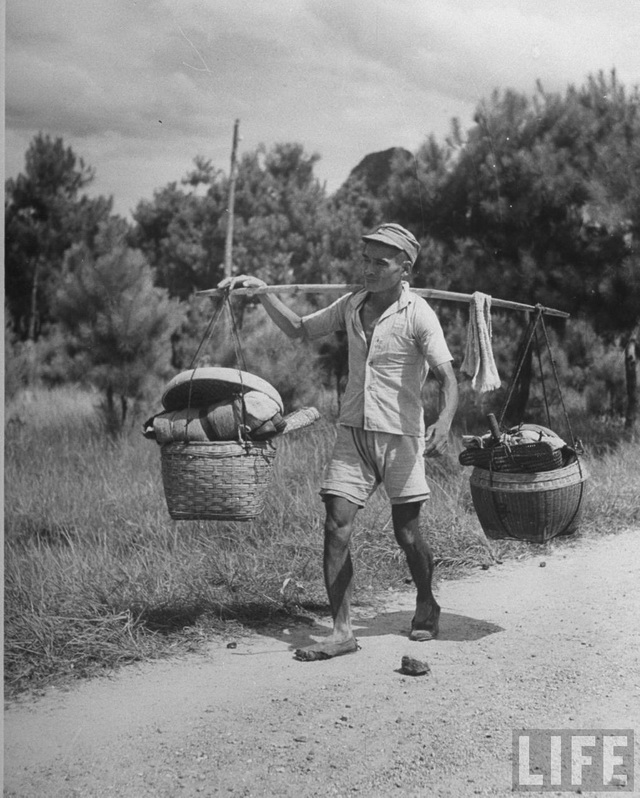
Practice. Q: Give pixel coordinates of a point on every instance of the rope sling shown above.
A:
(239, 354)
(527, 491)
(218, 480)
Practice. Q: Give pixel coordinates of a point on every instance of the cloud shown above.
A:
(79, 73)
(466, 49)
(140, 88)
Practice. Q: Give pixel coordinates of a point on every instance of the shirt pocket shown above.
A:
(397, 347)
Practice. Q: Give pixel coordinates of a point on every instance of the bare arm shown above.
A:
(286, 319)
(438, 433)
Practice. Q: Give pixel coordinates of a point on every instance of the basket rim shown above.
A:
(245, 444)
(538, 477)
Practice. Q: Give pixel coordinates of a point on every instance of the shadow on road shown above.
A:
(455, 628)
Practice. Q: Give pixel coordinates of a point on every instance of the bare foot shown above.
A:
(421, 635)
(425, 628)
(327, 649)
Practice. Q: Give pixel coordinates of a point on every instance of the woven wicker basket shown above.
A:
(533, 507)
(218, 480)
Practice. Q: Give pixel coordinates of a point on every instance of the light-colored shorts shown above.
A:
(363, 460)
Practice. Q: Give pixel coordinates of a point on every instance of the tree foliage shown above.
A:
(181, 231)
(539, 202)
(45, 213)
(118, 323)
(281, 223)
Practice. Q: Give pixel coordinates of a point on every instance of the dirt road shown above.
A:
(521, 646)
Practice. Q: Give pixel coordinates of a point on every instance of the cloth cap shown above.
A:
(394, 235)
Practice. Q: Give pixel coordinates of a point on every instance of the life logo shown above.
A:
(576, 760)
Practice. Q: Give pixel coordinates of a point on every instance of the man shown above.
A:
(394, 338)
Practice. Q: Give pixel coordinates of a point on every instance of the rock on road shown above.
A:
(521, 646)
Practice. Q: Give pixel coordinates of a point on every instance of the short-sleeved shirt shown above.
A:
(384, 389)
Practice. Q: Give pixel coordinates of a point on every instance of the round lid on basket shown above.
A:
(203, 386)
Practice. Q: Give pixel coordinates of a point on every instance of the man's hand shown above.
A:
(436, 439)
(241, 281)
(285, 318)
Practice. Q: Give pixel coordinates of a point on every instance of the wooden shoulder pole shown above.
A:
(427, 293)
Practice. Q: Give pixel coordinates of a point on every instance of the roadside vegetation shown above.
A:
(97, 575)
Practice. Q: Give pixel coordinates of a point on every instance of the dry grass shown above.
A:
(97, 574)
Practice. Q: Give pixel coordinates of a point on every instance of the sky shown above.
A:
(139, 88)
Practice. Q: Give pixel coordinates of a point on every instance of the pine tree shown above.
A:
(118, 324)
(45, 213)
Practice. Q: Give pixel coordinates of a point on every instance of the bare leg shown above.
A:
(338, 578)
(420, 561)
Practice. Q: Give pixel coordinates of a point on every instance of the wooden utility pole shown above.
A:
(631, 358)
(33, 323)
(228, 248)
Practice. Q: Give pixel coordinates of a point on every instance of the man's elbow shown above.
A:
(445, 375)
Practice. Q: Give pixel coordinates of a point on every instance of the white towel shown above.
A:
(478, 360)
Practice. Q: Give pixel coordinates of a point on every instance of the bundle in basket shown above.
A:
(521, 458)
(217, 459)
(527, 448)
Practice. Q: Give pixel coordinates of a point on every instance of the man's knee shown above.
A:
(337, 532)
(339, 522)
(406, 524)
(410, 539)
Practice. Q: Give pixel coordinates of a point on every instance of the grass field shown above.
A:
(97, 574)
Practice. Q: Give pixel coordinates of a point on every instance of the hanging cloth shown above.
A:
(478, 361)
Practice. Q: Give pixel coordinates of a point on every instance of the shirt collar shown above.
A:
(406, 298)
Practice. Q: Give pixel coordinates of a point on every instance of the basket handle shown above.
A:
(494, 427)
(225, 303)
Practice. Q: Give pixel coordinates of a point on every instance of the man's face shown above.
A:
(383, 267)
